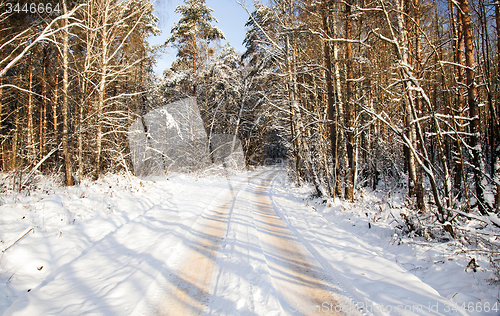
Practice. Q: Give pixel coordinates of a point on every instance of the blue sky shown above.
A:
(229, 13)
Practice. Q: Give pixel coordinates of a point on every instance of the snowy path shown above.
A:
(265, 270)
(301, 279)
(236, 251)
(241, 247)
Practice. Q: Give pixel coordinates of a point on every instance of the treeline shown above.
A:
(359, 93)
(388, 89)
(354, 93)
(234, 94)
(412, 88)
(72, 77)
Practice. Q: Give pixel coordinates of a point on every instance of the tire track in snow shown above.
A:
(244, 285)
(297, 274)
(189, 288)
(239, 257)
(189, 285)
(333, 275)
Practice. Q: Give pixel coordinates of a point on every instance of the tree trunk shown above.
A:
(66, 150)
(43, 110)
(296, 146)
(30, 136)
(459, 168)
(2, 154)
(330, 98)
(15, 140)
(495, 114)
(475, 128)
(349, 110)
(409, 103)
(419, 186)
(80, 139)
(102, 91)
(54, 103)
(339, 113)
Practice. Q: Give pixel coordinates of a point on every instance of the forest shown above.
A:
(355, 94)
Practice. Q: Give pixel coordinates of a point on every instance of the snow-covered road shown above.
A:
(240, 246)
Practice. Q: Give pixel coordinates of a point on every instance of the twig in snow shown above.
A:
(25, 233)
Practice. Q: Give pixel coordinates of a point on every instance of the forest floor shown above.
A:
(247, 244)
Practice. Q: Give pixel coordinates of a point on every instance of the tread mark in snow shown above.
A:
(191, 286)
(189, 289)
(296, 273)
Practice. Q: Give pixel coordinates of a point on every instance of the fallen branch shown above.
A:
(24, 234)
(39, 164)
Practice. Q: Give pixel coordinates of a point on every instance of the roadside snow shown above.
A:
(90, 221)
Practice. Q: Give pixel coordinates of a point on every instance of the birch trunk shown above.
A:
(340, 111)
(102, 90)
(15, 138)
(419, 186)
(409, 102)
(65, 144)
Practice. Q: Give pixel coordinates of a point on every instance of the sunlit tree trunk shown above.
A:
(409, 101)
(496, 115)
(15, 140)
(55, 101)
(475, 128)
(349, 108)
(43, 110)
(329, 90)
(30, 136)
(65, 143)
(2, 153)
(102, 89)
(419, 186)
(459, 107)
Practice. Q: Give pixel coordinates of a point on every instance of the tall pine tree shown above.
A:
(192, 35)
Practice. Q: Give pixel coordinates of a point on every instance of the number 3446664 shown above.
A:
(40, 8)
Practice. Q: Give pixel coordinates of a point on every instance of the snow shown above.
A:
(175, 78)
(115, 247)
(361, 246)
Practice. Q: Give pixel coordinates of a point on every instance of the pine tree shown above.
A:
(192, 35)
